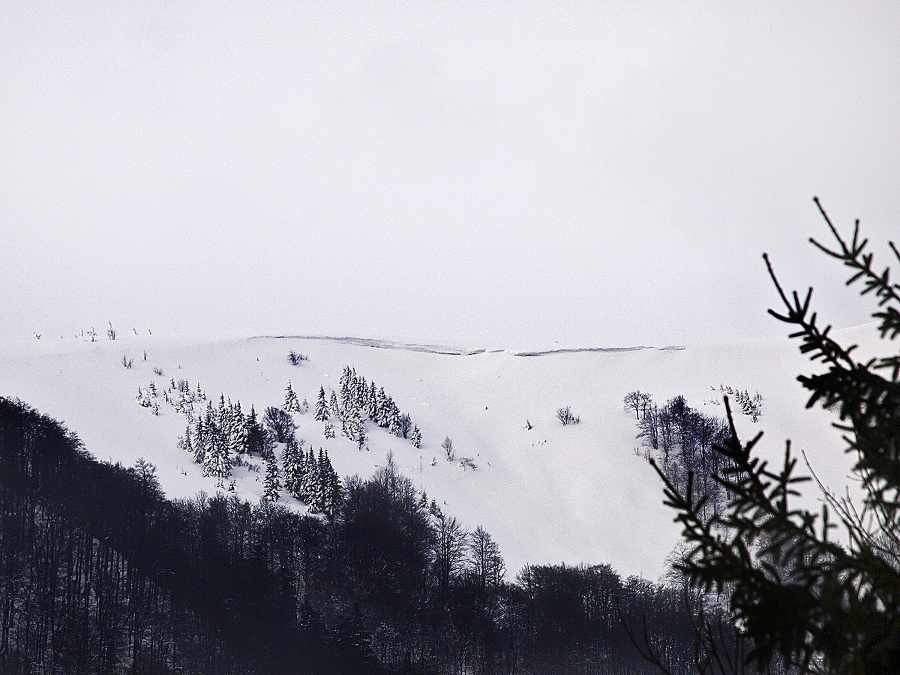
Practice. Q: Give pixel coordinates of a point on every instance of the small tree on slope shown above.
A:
(825, 606)
(272, 484)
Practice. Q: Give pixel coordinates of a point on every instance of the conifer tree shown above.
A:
(256, 435)
(319, 483)
(185, 442)
(329, 430)
(334, 409)
(237, 431)
(210, 438)
(358, 391)
(380, 399)
(330, 485)
(393, 420)
(221, 413)
(291, 404)
(360, 433)
(826, 603)
(307, 477)
(272, 484)
(416, 437)
(372, 402)
(321, 410)
(217, 461)
(292, 467)
(199, 442)
(345, 390)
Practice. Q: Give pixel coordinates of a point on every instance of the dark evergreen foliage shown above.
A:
(827, 604)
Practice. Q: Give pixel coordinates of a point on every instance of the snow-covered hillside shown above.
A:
(548, 494)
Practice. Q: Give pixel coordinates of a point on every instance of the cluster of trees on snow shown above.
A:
(307, 476)
(99, 573)
(180, 396)
(749, 405)
(221, 435)
(681, 440)
(358, 401)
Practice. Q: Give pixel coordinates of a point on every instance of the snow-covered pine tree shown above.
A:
(225, 421)
(380, 400)
(199, 441)
(255, 434)
(309, 480)
(392, 417)
(291, 466)
(321, 410)
(416, 437)
(143, 397)
(222, 414)
(329, 430)
(347, 402)
(332, 496)
(317, 498)
(344, 386)
(353, 426)
(345, 428)
(360, 432)
(272, 484)
(237, 431)
(185, 443)
(217, 462)
(291, 404)
(372, 402)
(184, 406)
(334, 409)
(210, 434)
(360, 391)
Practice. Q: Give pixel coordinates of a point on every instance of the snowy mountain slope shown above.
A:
(551, 494)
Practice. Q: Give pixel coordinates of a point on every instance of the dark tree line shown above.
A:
(100, 574)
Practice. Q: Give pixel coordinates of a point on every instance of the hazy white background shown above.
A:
(486, 173)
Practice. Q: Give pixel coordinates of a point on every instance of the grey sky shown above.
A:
(491, 174)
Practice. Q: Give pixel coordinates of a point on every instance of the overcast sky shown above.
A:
(488, 174)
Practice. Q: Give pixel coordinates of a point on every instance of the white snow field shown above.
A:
(551, 494)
